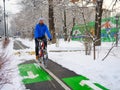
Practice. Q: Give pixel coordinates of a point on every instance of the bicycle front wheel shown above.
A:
(45, 60)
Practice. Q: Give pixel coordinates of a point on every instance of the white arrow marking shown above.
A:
(30, 75)
(89, 83)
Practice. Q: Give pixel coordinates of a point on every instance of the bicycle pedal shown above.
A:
(39, 60)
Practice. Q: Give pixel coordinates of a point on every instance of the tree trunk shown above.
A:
(51, 21)
(72, 29)
(98, 22)
(65, 28)
(73, 25)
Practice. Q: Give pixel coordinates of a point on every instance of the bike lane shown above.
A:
(36, 78)
(74, 81)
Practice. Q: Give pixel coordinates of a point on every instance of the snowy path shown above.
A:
(106, 73)
(62, 73)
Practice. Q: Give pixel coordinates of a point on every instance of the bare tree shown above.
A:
(51, 20)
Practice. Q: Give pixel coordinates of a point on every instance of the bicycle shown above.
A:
(43, 55)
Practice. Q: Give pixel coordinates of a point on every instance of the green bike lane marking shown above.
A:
(32, 73)
(82, 83)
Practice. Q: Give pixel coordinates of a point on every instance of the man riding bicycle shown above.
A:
(40, 32)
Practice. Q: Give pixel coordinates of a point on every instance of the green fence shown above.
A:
(78, 31)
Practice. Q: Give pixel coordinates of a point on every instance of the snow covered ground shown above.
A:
(106, 73)
(10, 69)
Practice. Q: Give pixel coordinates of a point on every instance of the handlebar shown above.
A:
(40, 40)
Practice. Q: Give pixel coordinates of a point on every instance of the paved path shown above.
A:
(18, 45)
(55, 77)
(57, 70)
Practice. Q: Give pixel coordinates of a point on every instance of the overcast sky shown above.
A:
(11, 6)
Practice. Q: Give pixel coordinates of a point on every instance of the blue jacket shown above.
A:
(41, 30)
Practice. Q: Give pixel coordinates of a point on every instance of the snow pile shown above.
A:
(66, 46)
(10, 69)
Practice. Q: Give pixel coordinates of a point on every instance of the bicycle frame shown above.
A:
(43, 56)
(41, 48)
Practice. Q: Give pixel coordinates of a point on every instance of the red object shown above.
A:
(40, 53)
(42, 47)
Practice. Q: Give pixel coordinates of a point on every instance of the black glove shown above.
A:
(50, 40)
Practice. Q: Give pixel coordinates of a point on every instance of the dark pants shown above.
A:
(37, 44)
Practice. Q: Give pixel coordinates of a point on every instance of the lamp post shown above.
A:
(4, 19)
(7, 24)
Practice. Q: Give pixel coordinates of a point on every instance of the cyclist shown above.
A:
(40, 32)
